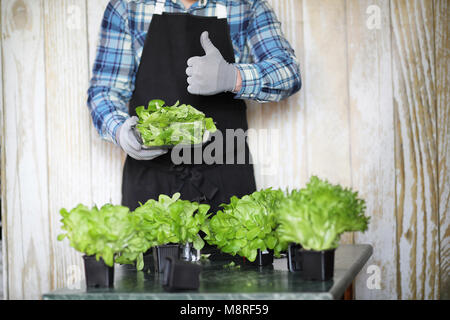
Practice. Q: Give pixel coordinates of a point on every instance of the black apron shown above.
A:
(171, 40)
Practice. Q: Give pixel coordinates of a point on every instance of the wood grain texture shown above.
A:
(106, 158)
(416, 143)
(4, 248)
(281, 162)
(373, 113)
(68, 124)
(442, 47)
(24, 165)
(327, 97)
(372, 136)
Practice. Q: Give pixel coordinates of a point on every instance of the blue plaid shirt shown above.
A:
(267, 63)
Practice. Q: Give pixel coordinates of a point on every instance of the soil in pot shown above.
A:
(160, 253)
(98, 274)
(310, 264)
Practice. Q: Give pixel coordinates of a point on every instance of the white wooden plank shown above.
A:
(281, 160)
(25, 151)
(3, 265)
(442, 44)
(372, 140)
(106, 158)
(416, 149)
(326, 91)
(68, 124)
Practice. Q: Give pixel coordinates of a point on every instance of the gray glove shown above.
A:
(210, 74)
(129, 143)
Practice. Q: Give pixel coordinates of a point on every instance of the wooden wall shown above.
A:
(373, 113)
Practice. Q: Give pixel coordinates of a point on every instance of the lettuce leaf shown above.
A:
(178, 124)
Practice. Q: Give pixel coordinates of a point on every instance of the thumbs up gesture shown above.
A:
(210, 74)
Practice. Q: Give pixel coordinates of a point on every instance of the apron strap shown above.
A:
(221, 11)
(160, 7)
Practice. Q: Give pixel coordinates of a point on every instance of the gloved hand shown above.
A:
(129, 143)
(210, 74)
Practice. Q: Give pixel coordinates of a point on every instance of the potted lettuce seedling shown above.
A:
(247, 226)
(138, 246)
(170, 225)
(312, 219)
(100, 234)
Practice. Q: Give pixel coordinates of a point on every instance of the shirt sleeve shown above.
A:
(275, 73)
(112, 83)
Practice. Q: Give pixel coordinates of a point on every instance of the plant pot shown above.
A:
(98, 274)
(310, 264)
(160, 253)
(149, 264)
(181, 275)
(291, 257)
(264, 258)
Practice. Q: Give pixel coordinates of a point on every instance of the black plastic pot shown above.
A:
(149, 264)
(311, 265)
(98, 274)
(264, 258)
(160, 253)
(181, 275)
(291, 257)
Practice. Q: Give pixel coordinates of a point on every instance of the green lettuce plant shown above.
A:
(245, 225)
(103, 232)
(317, 215)
(137, 245)
(172, 220)
(161, 125)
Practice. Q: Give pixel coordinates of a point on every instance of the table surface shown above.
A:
(219, 282)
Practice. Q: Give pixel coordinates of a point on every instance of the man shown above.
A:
(210, 54)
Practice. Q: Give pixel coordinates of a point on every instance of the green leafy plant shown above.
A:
(103, 232)
(137, 245)
(161, 125)
(247, 224)
(172, 220)
(318, 214)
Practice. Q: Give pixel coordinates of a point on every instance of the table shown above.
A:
(219, 282)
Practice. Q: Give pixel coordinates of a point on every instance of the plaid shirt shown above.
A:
(266, 61)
